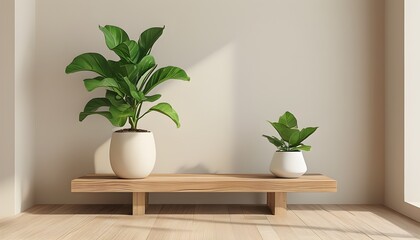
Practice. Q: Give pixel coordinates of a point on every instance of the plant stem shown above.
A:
(137, 118)
(132, 123)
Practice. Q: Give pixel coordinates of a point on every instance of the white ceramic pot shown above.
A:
(132, 154)
(288, 164)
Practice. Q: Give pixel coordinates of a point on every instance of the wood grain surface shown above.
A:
(210, 222)
(205, 183)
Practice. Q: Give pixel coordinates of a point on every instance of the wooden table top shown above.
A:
(204, 183)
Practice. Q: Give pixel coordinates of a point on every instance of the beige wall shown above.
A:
(24, 102)
(411, 101)
(394, 102)
(249, 61)
(7, 117)
(17, 49)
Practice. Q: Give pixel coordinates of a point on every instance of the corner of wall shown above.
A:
(7, 121)
(25, 31)
(394, 110)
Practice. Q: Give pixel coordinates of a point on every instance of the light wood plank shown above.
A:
(242, 227)
(260, 221)
(205, 183)
(382, 224)
(289, 226)
(239, 222)
(277, 202)
(138, 227)
(340, 224)
(409, 225)
(354, 221)
(173, 222)
(212, 222)
(324, 228)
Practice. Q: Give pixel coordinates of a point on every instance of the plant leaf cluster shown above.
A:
(291, 138)
(128, 81)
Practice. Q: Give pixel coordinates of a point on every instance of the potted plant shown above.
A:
(129, 83)
(288, 161)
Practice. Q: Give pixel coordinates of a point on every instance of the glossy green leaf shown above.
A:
(274, 140)
(128, 51)
(145, 65)
(135, 71)
(294, 139)
(289, 120)
(114, 36)
(83, 115)
(134, 93)
(284, 131)
(116, 100)
(303, 147)
(152, 98)
(93, 83)
(306, 132)
(96, 103)
(165, 74)
(166, 109)
(117, 113)
(118, 69)
(93, 62)
(118, 122)
(148, 38)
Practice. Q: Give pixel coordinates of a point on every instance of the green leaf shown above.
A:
(114, 115)
(277, 142)
(289, 120)
(164, 74)
(93, 62)
(147, 40)
(116, 101)
(284, 131)
(294, 139)
(118, 69)
(128, 51)
(96, 103)
(166, 109)
(134, 93)
(114, 98)
(118, 122)
(303, 147)
(83, 115)
(114, 36)
(152, 98)
(146, 63)
(117, 113)
(306, 132)
(135, 71)
(93, 83)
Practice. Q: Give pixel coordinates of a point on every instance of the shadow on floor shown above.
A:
(104, 209)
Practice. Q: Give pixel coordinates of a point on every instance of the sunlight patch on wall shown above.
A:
(411, 101)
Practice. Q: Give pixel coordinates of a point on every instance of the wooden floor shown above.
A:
(209, 222)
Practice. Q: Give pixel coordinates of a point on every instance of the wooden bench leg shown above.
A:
(140, 201)
(277, 202)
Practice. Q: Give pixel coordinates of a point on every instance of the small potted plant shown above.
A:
(129, 83)
(288, 161)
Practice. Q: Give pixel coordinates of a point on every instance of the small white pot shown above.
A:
(288, 164)
(132, 154)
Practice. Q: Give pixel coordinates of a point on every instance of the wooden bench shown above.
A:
(276, 188)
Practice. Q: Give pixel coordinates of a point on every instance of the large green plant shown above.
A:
(128, 81)
(291, 137)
